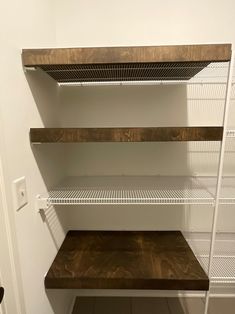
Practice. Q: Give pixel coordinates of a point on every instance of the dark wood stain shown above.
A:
(125, 63)
(99, 55)
(126, 260)
(148, 134)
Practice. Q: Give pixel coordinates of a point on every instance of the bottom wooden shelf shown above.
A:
(126, 260)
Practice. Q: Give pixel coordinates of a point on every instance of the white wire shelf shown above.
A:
(147, 74)
(129, 190)
(227, 194)
(230, 133)
(137, 73)
(223, 268)
(113, 190)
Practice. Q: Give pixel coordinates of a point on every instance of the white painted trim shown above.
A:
(17, 284)
(70, 311)
(9, 240)
(144, 293)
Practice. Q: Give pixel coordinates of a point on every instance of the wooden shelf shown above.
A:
(126, 260)
(125, 63)
(160, 134)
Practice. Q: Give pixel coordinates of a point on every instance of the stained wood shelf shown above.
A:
(125, 63)
(126, 260)
(159, 134)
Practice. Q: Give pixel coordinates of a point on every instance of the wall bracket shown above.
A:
(41, 203)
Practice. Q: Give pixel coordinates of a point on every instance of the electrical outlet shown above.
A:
(20, 193)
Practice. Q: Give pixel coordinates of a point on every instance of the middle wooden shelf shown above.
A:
(125, 134)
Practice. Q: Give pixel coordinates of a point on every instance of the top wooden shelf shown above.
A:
(125, 63)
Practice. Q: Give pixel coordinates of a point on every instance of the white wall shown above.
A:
(31, 101)
(144, 22)
(28, 24)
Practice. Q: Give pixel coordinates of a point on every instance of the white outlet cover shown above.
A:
(20, 193)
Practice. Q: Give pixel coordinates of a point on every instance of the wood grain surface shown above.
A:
(126, 260)
(99, 55)
(110, 64)
(160, 134)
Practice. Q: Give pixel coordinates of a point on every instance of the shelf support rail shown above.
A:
(219, 172)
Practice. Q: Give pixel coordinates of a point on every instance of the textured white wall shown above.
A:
(144, 22)
(26, 101)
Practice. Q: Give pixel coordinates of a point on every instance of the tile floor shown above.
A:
(110, 305)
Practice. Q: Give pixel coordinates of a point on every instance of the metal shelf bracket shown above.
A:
(41, 203)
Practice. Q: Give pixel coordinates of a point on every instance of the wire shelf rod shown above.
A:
(143, 83)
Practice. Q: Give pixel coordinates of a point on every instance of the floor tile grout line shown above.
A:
(203, 300)
(168, 306)
(94, 303)
(131, 306)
